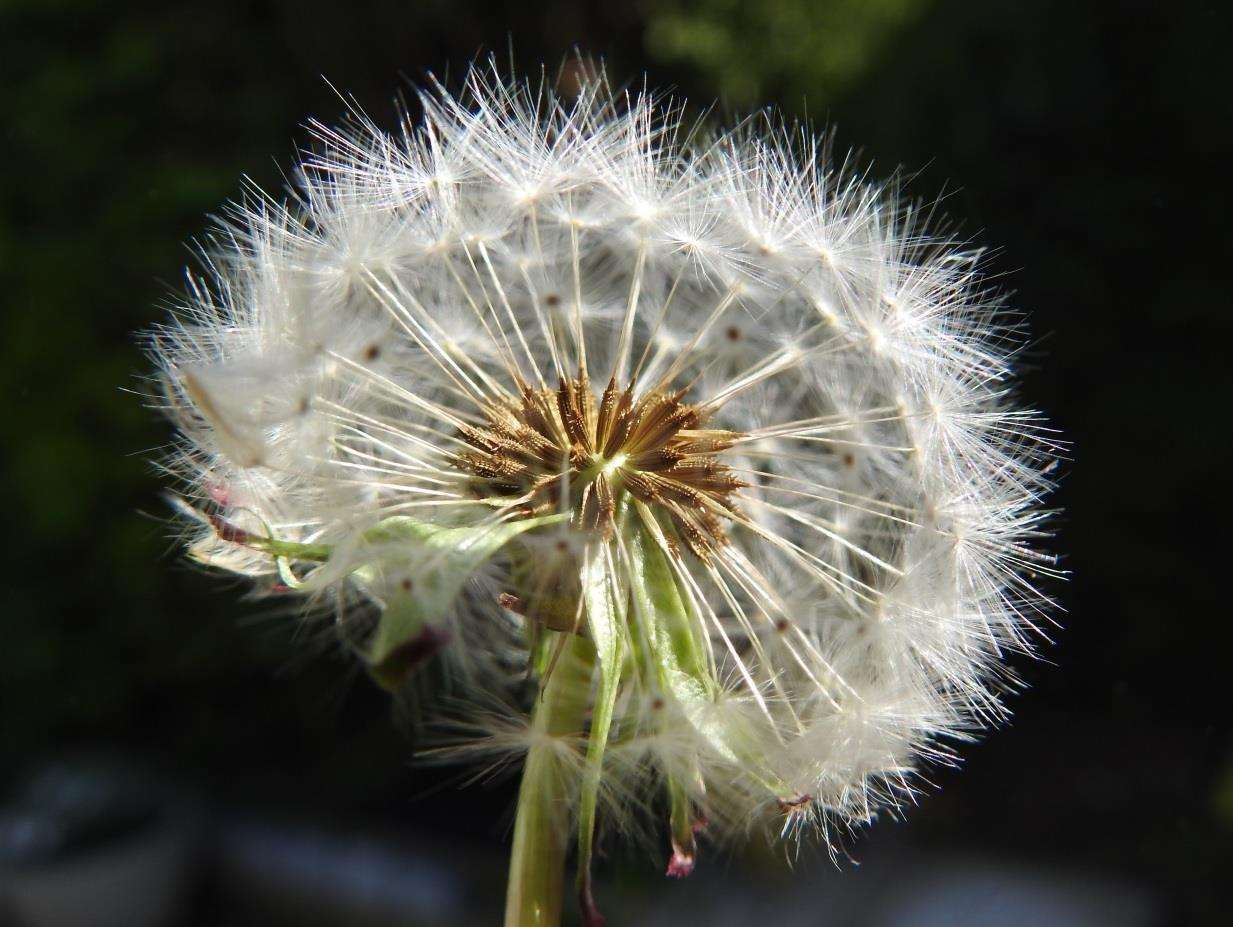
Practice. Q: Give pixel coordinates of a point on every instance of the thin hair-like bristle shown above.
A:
(715, 366)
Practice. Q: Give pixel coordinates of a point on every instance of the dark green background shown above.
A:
(1089, 141)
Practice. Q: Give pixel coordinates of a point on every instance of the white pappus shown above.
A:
(715, 434)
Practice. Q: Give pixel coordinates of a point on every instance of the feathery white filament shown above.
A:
(878, 564)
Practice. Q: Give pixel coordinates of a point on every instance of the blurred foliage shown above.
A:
(1091, 142)
(783, 50)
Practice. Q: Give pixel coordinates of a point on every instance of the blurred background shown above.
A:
(173, 755)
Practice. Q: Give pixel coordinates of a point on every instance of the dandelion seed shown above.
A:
(709, 438)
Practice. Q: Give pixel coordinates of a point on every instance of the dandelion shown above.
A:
(689, 459)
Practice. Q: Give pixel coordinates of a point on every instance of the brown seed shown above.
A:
(546, 440)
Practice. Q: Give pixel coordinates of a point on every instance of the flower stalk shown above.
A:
(541, 828)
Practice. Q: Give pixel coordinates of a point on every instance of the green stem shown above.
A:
(542, 826)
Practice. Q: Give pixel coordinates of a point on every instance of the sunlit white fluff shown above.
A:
(883, 562)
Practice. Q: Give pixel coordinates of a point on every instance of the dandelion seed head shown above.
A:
(533, 339)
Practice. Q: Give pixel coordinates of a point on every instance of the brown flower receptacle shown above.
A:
(563, 449)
